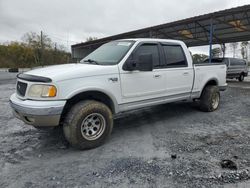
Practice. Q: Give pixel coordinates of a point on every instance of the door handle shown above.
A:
(157, 76)
(185, 73)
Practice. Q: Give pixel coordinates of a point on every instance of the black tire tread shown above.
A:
(75, 114)
(241, 79)
(206, 98)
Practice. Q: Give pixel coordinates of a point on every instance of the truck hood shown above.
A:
(71, 71)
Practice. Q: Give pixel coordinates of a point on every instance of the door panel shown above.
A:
(171, 77)
(179, 81)
(179, 77)
(138, 84)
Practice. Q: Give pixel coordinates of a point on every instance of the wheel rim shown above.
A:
(241, 77)
(215, 100)
(93, 126)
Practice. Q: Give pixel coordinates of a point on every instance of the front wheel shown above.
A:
(88, 124)
(210, 99)
(241, 78)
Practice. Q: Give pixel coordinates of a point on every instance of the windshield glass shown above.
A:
(108, 54)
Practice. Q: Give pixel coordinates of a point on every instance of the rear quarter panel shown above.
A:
(207, 72)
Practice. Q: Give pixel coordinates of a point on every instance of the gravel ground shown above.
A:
(172, 145)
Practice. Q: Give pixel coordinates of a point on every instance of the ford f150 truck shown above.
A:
(119, 76)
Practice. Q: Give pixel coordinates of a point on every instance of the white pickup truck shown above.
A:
(119, 76)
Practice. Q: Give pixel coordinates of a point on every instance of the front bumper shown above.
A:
(37, 113)
(223, 88)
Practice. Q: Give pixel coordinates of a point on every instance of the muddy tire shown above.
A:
(241, 78)
(88, 124)
(210, 99)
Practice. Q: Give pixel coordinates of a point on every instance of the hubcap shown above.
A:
(93, 126)
(215, 100)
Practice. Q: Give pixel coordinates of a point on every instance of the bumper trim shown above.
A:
(37, 113)
(38, 121)
(44, 111)
(223, 88)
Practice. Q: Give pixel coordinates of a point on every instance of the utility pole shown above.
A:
(211, 39)
(223, 48)
(54, 53)
(41, 48)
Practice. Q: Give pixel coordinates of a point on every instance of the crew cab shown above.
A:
(119, 76)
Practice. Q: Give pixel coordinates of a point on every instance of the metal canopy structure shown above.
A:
(230, 25)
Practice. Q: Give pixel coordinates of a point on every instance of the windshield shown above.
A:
(108, 54)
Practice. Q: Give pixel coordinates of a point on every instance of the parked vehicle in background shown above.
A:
(118, 76)
(236, 68)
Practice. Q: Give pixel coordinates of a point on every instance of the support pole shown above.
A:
(223, 47)
(211, 40)
(150, 34)
(41, 49)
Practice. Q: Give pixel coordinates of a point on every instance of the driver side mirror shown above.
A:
(143, 63)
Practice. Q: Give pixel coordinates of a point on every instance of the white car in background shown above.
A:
(236, 68)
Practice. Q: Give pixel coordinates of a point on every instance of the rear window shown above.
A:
(237, 62)
(174, 56)
(215, 60)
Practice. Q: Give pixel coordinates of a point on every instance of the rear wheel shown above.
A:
(210, 99)
(88, 124)
(241, 77)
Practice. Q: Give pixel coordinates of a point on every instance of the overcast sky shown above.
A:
(71, 21)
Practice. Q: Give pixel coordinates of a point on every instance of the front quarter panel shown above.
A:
(108, 84)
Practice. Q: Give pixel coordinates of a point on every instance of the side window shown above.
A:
(174, 56)
(237, 62)
(149, 49)
(234, 62)
(242, 62)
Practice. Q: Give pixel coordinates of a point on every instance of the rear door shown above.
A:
(179, 76)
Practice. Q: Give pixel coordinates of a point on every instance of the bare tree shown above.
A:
(223, 49)
(34, 40)
(91, 39)
(38, 43)
(198, 58)
(234, 46)
(216, 52)
(244, 46)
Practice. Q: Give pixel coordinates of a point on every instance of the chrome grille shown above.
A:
(21, 88)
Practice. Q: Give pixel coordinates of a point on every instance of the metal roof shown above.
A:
(230, 25)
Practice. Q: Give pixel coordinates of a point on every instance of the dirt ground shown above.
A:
(172, 145)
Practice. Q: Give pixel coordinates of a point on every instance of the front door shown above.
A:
(141, 85)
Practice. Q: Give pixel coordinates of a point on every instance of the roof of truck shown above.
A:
(150, 40)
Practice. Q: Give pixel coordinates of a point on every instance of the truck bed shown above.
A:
(204, 72)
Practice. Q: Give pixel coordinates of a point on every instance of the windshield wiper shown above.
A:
(91, 61)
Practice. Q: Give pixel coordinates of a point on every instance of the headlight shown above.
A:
(42, 91)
